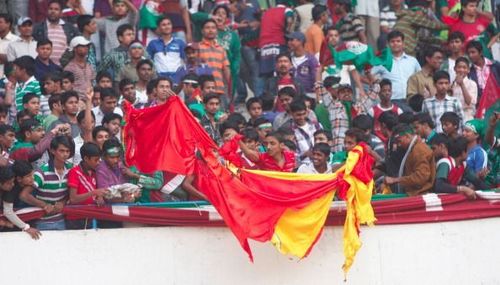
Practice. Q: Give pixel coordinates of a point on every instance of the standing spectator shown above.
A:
(55, 29)
(456, 49)
(465, 89)
(477, 158)
(421, 82)
(145, 73)
(6, 37)
(26, 82)
(69, 103)
(385, 104)
(115, 59)
(440, 103)
(192, 64)
(43, 63)
(471, 22)
(424, 127)
(162, 87)
(38, 10)
(403, 66)
(388, 20)
(124, 13)
(284, 77)
(56, 111)
(166, 51)
(88, 27)
(314, 34)
(129, 70)
(210, 121)
(303, 129)
(305, 65)
(109, 104)
(177, 11)
(350, 27)
(81, 69)
(127, 90)
(215, 56)
(72, 9)
(368, 11)
(25, 45)
(304, 10)
(481, 66)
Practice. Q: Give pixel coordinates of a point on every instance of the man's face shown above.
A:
(19, 72)
(191, 55)
(469, 135)
(209, 31)
(71, 106)
(263, 132)
(33, 106)
(96, 99)
(345, 94)
(349, 143)
(470, 9)
(255, 110)
(189, 88)
(112, 161)
(285, 101)
(163, 90)
(396, 45)
(136, 52)
(113, 127)
(92, 161)
(435, 60)
(448, 128)
(120, 9)
(294, 44)
(37, 134)
(4, 26)
(108, 104)
(54, 12)
(438, 150)
(333, 37)
(474, 55)
(165, 27)
(455, 45)
(299, 117)
(228, 134)
(212, 106)
(145, 72)
(273, 146)
(318, 158)
(101, 137)
(221, 16)
(105, 82)
(251, 144)
(128, 93)
(208, 87)
(7, 140)
(61, 153)
(3, 118)
(404, 141)
(67, 85)
(50, 86)
(385, 93)
(127, 38)
(442, 86)
(320, 138)
(419, 129)
(461, 68)
(26, 30)
(44, 51)
(82, 50)
(91, 28)
(283, 65)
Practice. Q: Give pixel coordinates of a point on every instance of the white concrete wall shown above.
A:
(440, 253)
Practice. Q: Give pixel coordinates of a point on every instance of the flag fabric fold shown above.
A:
(360, 55)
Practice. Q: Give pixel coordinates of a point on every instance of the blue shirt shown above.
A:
(167, 57)
(402, 68)
(41, 69)
(477, 158)
(199, 69)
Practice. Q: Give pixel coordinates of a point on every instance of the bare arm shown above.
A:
(250, 153)
(187, 22)
(187, 185)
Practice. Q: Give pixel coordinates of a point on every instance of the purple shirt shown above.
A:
(107, 176)
(305, 71)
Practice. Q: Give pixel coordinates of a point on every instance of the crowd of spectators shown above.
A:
(256, 72)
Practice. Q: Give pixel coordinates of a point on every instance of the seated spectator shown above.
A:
(477, 158)
(109, 104)
(424, 127)
(254, 108)
(365, 123)
(51, 185)
(319, 165)
(11, 183)
(385, 104)
(418, 168)
(437, 105)
(251, 140)
(303, 130)
(450, 123)
(276, 158)
(465, 89)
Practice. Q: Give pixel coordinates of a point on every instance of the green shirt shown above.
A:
(148, 183)
(339, 157)
(30, 86)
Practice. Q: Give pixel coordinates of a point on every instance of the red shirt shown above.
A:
(82, 182)
(266, 162)
(471, 30)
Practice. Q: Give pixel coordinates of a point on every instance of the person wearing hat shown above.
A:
(314, 34)
(350, 27)
(417, 171)
(477, 158)
(81, 69)
(305, 65)
(136, 53)
(25, 44)
(192, 64)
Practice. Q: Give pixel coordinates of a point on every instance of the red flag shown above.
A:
(491, 92)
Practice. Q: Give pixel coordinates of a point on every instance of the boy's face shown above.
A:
(7, 185)
(461, 68)
(333, 37)
(448, 128)
(318, 158)
(285, 100)
(112, 161)
(470, 135)
(435, 60)
(385, 93)
(163, 90)
(105, 82)
(419, 129)
(92, 161)
(67, 85)
(128, 93)
(145, 72)
(208, 87)
(439, 150)
(255, 110)
(33, 106)
(345, 94)
(3, 118)
(474, 55)
(251, 144)
(228, 134)
(442, 86)
(299, 117)
(113, 127)
(71, 106)
(26, 180)
(320, 138)
(349, 143)
(273, 146)
(212, 106)
(108, 104)
(455, 45)
(44, 51)
(127, 38)
(35, 135)
(263, 131)
(165, 27)
(8, 139)
(120, 9)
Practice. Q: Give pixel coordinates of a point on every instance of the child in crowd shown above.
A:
(263, 128)
(352, 138)
(68, 80)
(464, 88)
(450, 123)
(303, 130)
(254, 108)
(477, 158)
(385, 104)
(51, 84)
(112, 122)
(31, 103)
(320, 157)
(323, 136)
(56, 111)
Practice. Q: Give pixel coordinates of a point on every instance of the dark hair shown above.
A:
(456, 35)
(122, 29)
(43, 42)
(161, 19)
(68, 75)
(429, 51)
(260, 121)
(82, 21)
(287, 91)
(151, 86)
(330, 81)
(98, 129)
(4, 109)
(297, 106)
(205, 78)
(28, 96)
(389, 119)
(250, 134)
(462, 59)
(440, 139)
(286, 131)
(358, 134)
(450, 117)
(103, 74)
(210, 96)
(27, 63)
(65, 141)
(284, 54)
(54, 76)
(385, 82)
(323, 148)
(65, 96)
(208, 21)
(312, 101)
(237, 118)
(110, 117)
(424, 118)
(90, 149)
(6, 17)
(416, 101)
(324, 132)
(21, 114)
(22, 168)
(440, 74)
(163, 78)
(253, 100)
(142, 62)
(221, 6)
(405, 118)
(108, 92)
(363, 122)
(81, 116)
(4, 129)
(456, 146)
(317, 11)
(58, 2)
(8, 68)
(276, 135)
(6, 174)
(228, 125)
(395, 34)
(290, 145)
(124, 82)
(474, 44)
(111, 143)
(267, 101)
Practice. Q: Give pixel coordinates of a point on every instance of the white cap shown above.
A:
(23, 20)
(78, 41)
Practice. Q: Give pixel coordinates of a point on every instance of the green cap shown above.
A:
(476, 125)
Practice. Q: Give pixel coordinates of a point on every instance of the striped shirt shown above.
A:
(44, 105)
(215, 57)
(51, 187)
(349, 27)
(59, 41)
(436, 108)
(30, 86)
(339, 120)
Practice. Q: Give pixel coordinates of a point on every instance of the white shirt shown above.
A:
(20, 48)
(471, 86)
(309, 168)
(99, 114)
(4, 43)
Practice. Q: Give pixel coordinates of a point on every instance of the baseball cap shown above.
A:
(24, 20)
(296, 36)
(78, 41)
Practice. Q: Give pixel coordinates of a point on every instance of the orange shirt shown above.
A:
(215, 57)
